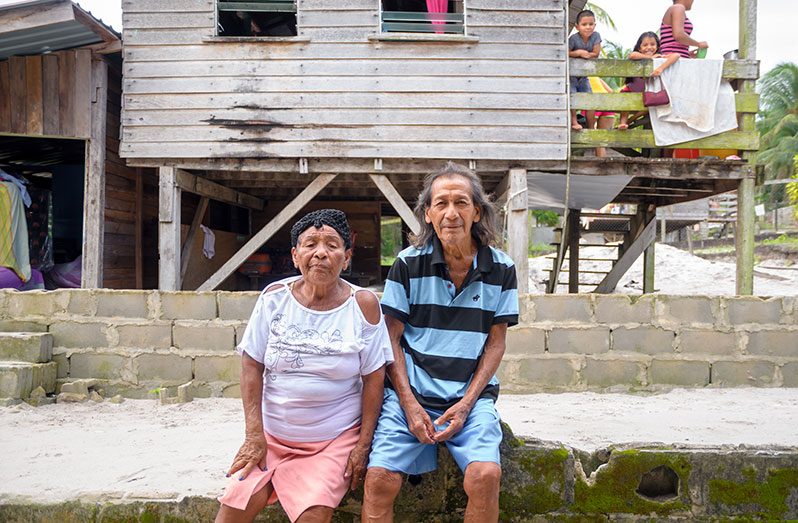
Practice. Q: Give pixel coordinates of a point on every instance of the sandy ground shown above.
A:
(676, 272)
(143, 450)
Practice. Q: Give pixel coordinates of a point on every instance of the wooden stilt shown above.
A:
(397, 202)
(168, 230)
(517, 227)
(574, 233)
(644, 232)
(648, 268)
(139, 230)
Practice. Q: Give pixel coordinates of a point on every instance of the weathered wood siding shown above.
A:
(334, 93)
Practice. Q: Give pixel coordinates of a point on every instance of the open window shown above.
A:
(423, 16)
(256, 18)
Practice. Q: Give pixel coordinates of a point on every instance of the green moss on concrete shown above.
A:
(538, 487)
(765, 498)
(616, 483)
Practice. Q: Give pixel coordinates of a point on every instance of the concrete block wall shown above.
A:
(137, 341)
(619, 342)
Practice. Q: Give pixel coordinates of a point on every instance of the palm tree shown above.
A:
(602, 16)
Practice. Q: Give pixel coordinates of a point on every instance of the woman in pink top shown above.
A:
(676, 29)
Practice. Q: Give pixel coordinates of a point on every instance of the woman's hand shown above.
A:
(356, 464)
(251, 454)
(703, 45)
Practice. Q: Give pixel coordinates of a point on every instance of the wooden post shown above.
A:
(744, 235)
(94, 180)
(139, 229)
(254, 243)
(649, 258)
(574, 232)
(397, 202)
(517, 227)
(168, 230)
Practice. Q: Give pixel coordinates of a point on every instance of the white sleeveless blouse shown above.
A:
(313, 362)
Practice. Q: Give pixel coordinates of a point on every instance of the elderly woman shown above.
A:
(313, 363)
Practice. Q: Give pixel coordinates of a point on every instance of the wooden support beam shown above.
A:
(649, 271)
(502, 190)
(746, 68)
(138, 230)
(574, 229)
(94, 181)
(215, 191)
(746, 140)
(667, 168)
(559, 257)
(397, 202)
(168, 230)
(630, 254)
(518, 227)
(312, 189)
(185, 254)
(746, 102)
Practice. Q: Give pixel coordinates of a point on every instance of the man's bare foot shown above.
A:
(623, 126)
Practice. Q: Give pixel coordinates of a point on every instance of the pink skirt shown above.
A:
(302, 474)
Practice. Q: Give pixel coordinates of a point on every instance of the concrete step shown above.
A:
(31, 347)
(19, 378)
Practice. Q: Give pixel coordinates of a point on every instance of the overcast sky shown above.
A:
(715, 21)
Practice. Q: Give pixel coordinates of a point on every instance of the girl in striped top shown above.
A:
(676, 29)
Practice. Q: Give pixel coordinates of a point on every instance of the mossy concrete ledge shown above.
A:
(541, 482)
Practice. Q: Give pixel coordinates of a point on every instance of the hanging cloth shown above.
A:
(438, 6)
(14, 252)
(208, 243)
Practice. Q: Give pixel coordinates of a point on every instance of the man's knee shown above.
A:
(482, 479)
(382, 484)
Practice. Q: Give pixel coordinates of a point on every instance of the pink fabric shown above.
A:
(302, 474)
(438, 6)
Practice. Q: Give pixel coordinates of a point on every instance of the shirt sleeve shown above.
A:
(507, 308)
(596, 39)
(396, 295)
(253, 342)
(571, 42)
(376, 350)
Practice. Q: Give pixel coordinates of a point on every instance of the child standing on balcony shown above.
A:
(646, 48)
(585, 43)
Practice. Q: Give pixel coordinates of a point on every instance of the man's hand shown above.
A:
(456, 415)
(356, 464)
(418, 421)
(251, 454)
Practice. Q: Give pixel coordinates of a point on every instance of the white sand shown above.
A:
(142, 450)
(676, 272)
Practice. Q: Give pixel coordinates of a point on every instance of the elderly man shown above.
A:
(448, 302)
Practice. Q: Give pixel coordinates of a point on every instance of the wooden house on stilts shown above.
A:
(252, 111)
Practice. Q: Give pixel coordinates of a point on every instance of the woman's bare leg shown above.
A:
(316, 514)
(257, 502)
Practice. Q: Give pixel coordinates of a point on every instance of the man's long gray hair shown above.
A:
(484, 231)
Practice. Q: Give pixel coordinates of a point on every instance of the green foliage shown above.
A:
(390, 240)
(792, 189)
(602, 16)
(540, 249)
(546, 218)
(614, 51)
(782, 240)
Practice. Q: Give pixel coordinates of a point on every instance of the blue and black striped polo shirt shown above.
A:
(445, 328)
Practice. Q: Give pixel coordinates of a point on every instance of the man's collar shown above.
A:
(484, 256)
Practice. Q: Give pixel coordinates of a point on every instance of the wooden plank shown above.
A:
(139, 230)
(51, 106)
(94, 183)
(312, 189)
(168, 37)
(635, 249)
(745, 69)
(641, 138)
(176, 20)
(204, 187)
(66, 93)
(85, 92)
(33, 95)
(168, 230)
(17, 72)
(5, 100)
(574, 230)
(507, 18)
(532, 35)
(367, 21)
(397, 202)
(192, 233)
(173, 6)
(746, 102)
(662, 168)
(33, 17)
(517, 227)
(515, 5)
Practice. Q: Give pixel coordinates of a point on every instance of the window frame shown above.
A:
(424, 35)
(242, 38)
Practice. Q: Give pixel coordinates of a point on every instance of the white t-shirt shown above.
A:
(313, 362)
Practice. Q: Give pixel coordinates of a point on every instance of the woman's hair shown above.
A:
(318, 219)
(484, 231)
(647, 34)
(583, 14)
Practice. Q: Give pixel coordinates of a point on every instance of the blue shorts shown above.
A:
(395, 448)
(580, 84)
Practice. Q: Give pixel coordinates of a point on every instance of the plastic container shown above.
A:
(720, 153)
(701, 53)
(686, 154)
(257, 265)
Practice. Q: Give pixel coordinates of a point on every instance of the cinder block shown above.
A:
(592, 340)
(525, 340)
(648, 340)
(203, 336)
(622, 308)
(28, 347)
(82, 302)
(681, 373)
(232, 391)
(16, 380)
(171, 368)
(707, 342)
(218, 368)
(774, 343)
(145, 335)
(123, 304)
(188, 305)
(789, 373)
(80, 335)
(544, 372)
(563, 308)
(61, 358)
(94, 365)
(236, 305)
(22, 326)
(45, 375)
(3, 303)
(611, 373)
(750, 309)
(688, 310)
(240, 332)
(22, 305)
(743, 373)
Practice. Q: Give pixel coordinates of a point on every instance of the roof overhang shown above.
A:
(41, 26)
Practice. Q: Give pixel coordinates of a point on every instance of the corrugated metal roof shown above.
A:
(46, 38)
